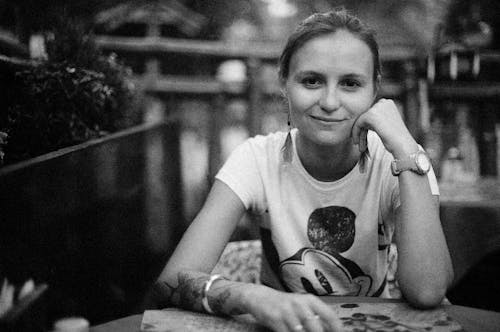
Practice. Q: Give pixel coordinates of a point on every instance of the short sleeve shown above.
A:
(241, 173)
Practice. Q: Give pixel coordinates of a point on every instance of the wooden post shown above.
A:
(153, 64)
(487, 141)
(254, 118)
(219, 106)
(411, 99)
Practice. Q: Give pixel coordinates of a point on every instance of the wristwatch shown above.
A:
(418, 162)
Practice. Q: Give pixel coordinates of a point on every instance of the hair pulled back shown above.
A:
(324, 23)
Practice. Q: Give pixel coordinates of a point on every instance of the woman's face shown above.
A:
(330, 83)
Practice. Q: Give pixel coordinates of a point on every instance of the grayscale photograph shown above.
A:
(249, 165)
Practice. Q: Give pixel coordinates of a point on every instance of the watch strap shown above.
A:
(408, 164)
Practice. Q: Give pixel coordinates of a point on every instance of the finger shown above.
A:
(294, 324)
(363, 143)
(313, 323)
(298, 328)
(328, 316)
(280, 326)
(302, 317)
(355, 132)
(286, 320)
(357, 127)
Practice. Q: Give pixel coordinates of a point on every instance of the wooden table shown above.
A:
(471, 319)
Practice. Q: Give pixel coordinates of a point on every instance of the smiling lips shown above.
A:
(328, 120)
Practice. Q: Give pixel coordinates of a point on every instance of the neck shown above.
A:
(327, 162)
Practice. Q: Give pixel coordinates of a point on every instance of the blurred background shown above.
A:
(201, 77)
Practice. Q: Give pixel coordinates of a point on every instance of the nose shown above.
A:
(329, 100)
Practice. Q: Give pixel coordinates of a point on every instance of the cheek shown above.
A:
(300, 100)
(358, 104)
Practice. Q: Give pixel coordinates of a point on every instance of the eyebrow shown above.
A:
(307, 73)
(344, 76)
(355, 76)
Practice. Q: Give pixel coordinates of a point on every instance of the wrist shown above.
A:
(227, 297)
(204, 292)
(405, 150)
(251, 296)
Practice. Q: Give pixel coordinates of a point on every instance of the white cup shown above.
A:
(71, 324)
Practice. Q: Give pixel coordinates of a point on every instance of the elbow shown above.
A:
(427, 291)
(426, 297)
(427, 294)
(426, 300)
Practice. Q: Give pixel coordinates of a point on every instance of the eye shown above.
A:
(311, 82)
(350, 84)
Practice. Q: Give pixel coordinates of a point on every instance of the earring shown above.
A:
(288, 146)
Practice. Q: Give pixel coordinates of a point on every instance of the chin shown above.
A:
(330, 139)
(322, 137)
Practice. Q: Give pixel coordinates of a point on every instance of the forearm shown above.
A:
(225, 297)
(424, 264)
(279, 311)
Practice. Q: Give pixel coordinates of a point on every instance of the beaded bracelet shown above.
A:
(206, 288)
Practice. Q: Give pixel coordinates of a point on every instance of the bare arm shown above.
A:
(222, 297)
(424, 263)
(181, 282)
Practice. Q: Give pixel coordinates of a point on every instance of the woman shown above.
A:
(334, 190)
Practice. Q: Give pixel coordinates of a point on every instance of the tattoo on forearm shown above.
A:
(219, 302)
(188, 295)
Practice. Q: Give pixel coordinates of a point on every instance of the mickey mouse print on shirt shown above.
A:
(322, 270)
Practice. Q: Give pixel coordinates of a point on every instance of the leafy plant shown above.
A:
(76, 95)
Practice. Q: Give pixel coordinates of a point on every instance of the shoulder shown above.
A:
(260, 149)
(268, 139)
(267, 143)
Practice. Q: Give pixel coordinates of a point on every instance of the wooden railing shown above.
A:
(405, 86)
(153, 47)
(254, 54)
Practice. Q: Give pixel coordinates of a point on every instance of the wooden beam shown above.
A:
(188, 46)
(465, 90)
(187, 84)
(261, 50)
(14, 63)
(11, 44)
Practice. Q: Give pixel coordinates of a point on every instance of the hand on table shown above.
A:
(282, 311)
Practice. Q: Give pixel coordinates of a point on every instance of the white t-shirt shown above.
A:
(325, 238)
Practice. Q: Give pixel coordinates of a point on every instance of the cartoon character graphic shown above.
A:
(322, 270)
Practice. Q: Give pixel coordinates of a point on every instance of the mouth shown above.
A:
(327, 120)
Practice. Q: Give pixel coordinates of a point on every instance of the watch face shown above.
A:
(423, 162)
